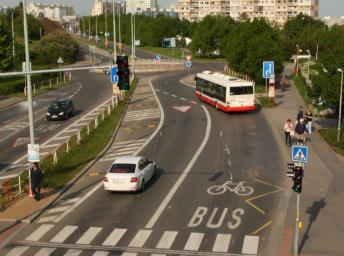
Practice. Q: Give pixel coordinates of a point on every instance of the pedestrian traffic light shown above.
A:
(123, 72)
(298, 172)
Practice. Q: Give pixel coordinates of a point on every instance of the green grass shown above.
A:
(330, 135)
(267, 102)
(302, 88)
(69, 164)
(260, 88)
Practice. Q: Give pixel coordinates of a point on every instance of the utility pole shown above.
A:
(119, 28)
(13, 45)
(106, 32)
(114, 32)
(340, 105)
(132, 38)
(96, 37)
(83, 25)
(28, 77)
(89, 30)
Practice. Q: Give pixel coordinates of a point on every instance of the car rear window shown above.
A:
(122, 168)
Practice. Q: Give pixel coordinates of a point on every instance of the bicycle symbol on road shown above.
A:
(236, 187)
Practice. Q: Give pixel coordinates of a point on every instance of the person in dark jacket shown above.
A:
(36, 181)
(300, 131)
(300, 114)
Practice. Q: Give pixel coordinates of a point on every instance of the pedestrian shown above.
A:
(300, 114)
(289, 131)
(309, 119)
(36, 181)
(284, 82)
(300, 130)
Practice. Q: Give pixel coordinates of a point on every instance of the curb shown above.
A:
(34, 216)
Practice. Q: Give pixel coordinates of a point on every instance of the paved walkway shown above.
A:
(323, 191)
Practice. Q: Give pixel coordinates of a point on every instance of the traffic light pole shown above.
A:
(296, 233)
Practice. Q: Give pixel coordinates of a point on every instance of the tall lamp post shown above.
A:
(132, 38)
(340, 105)
(297, 59)
(309, 64)
(13, 46)
(114, 32)
(119, 28)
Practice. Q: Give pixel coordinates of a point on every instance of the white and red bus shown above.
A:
(228, 93)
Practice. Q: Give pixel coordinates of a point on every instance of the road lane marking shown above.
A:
(140, 238)
(39, 233)
(70, 201)
(222, 243)
(183, 175)
(261, 228)
(63, 234)
(47, 219)
(58, 209)
(114, 237)
(194, 242)
(250, 245)
(89, 235)
(128, 142)
(17, 251)
(100, 253)
(45, 251)
(51, 146)
(73, 252)
(167, 240)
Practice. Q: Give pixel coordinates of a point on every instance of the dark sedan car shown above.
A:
(60, 110)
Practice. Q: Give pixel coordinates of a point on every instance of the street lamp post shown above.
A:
(297, 59)
(119, 28)
(96, 37)
(114, 32)
(106, 32)
(132, 38)
(13, 46)
(340, 106)
(309, 64)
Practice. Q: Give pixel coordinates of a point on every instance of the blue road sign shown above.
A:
(113, 75)
(188, 64)
(268, 69)
(299, 154)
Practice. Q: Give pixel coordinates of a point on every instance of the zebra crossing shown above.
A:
(73, 240)
(14, 126)
(55, 212)
(137, 115)
(122, 148)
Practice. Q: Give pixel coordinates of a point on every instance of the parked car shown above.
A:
(129, 173)
(60, 110)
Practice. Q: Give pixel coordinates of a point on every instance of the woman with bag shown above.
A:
(289, 131)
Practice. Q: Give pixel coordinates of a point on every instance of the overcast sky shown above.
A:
(327, 7)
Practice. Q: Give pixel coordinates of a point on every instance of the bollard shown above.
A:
(57, 81)
(64, 77)
(50, 83)
(103, 115)
(70, 76)
(34, 88)
(78, 136)
(67, 146)
(19, 184)
(55, 158)
(96, 123)
(109, 109)
(113, 102)
(88, 129)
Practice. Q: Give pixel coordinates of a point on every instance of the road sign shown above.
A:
(188, 64)
(60, 61)
(33, 152)
(268, 69)
(299, 154)
(113, 74)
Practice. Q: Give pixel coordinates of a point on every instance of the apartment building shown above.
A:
(275, 11)
(100, 7)
(50, 11)
(140, 5)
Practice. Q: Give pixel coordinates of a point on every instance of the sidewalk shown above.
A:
(323, 192)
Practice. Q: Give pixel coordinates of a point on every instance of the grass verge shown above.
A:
(267, 102)
(302, 88)
(330, 135)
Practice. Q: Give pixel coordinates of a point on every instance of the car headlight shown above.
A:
(48, 114)
(61, 113)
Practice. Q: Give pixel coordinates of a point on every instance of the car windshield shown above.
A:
(123, 168)
(58, 105)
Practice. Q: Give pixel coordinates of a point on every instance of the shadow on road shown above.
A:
(313, 212)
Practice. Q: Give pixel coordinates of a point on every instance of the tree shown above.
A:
(6, 59)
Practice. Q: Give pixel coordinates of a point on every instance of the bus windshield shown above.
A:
(241, 90)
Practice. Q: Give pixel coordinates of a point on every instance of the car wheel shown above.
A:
(142, 188)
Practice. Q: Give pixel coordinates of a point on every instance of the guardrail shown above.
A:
(51, 83)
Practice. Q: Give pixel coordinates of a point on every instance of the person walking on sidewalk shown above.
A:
(284, 82)
(36, 181)
(300, 131)
(289, 131)
(300, 114)
(309, 119)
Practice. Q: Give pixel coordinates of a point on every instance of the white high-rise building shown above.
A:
(140, 5)
(100, 7)
(276, 11)
(50, 11)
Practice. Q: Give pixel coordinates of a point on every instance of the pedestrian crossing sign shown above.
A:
(299, 154)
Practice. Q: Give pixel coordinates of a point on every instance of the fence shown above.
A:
(17, 185)
(51, 83)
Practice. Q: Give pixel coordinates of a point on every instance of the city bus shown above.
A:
(224, 92)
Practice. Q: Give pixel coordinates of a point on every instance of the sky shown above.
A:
(326, 7)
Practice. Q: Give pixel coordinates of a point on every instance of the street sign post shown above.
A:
(113, 75)
(33, 152)
(188, 64)
(268, 69)
(299, 154)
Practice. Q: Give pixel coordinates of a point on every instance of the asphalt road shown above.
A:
(196, 148)
(88, 91)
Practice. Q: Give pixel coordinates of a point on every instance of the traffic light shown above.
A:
(123, 72)
(298, 174)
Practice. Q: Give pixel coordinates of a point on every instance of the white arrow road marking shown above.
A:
(182, 108)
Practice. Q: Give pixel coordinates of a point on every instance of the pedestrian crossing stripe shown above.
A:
(121, 240)
(300, 154)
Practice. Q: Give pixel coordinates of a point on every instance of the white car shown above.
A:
(129, 173)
